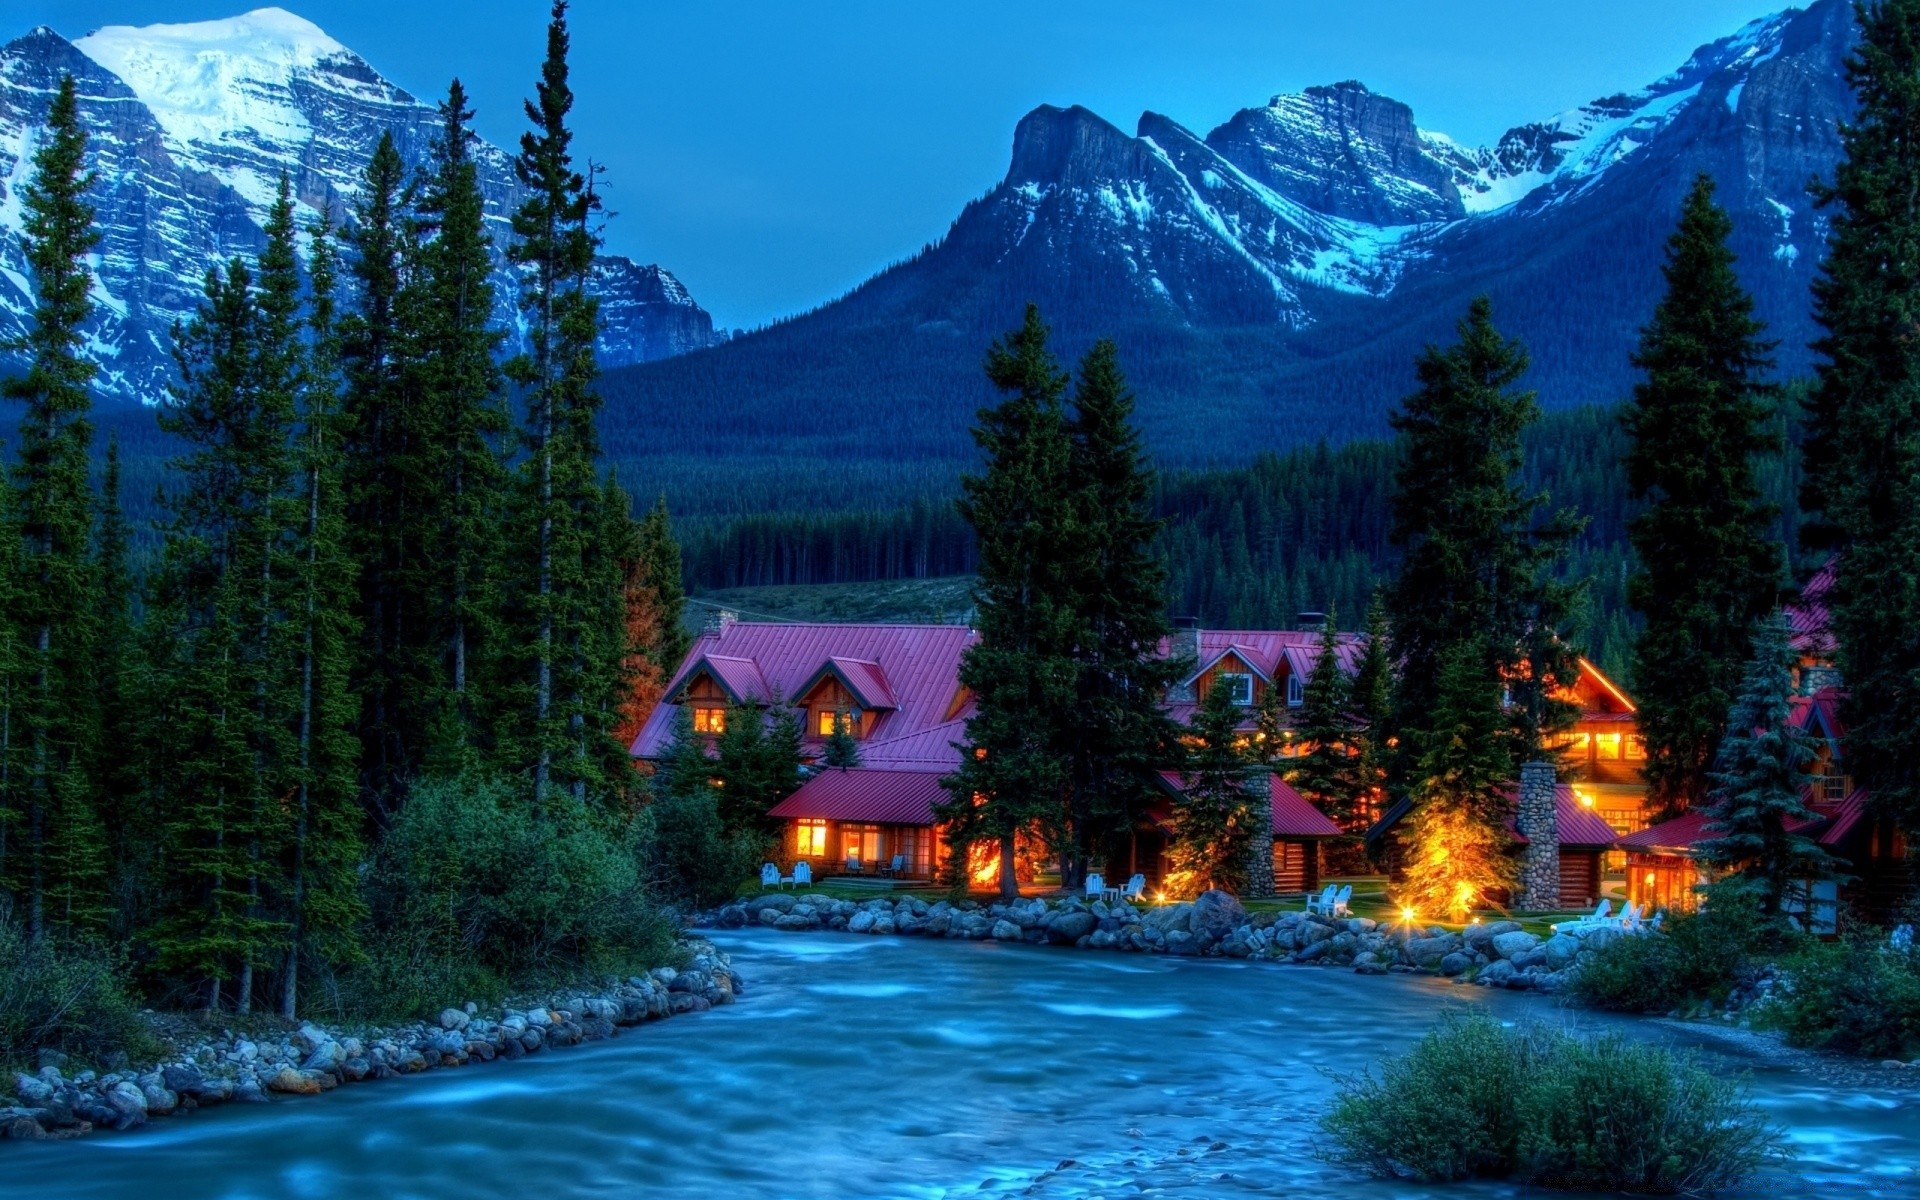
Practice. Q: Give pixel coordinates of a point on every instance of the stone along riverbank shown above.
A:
(1493, 954)
(210, 1067)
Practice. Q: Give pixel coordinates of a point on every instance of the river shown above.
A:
(887, 1067)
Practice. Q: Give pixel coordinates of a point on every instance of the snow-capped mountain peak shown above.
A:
(190, 128)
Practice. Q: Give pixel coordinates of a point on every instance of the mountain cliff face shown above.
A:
(1271, 281)
(190, 127)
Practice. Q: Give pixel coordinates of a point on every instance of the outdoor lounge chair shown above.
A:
(1096, 885)
(1135, 889)
(802, 875)
(1596, 917)
(769, 875)
(1629, 917)
(894, 868)
(853, 865)
(1340, 899)
(1324, 904)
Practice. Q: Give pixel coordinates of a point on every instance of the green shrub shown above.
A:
(1530, 1104)
(1858, 996)
(64, 995)
(1697, 959)
(472, 895)
(694, 860)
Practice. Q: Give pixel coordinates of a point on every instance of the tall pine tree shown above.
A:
(1328, 771)
(324, 908)
(570, 628)
(1477, 563)
(1708, 567)
(57, 606)
(1022, 672)
(1862, 453)
(1216, 818)
(1116, 732)
(1457, 833)
(461, 389)
(1759, 775)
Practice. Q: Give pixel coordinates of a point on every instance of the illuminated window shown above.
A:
(1577, 745)
(810, 838)
(709, 720)
(1240, 687)
(1606, 745)
(1296, 692)
(831, 719)
(1636, 747)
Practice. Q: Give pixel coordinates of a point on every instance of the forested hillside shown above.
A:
(1246, 547)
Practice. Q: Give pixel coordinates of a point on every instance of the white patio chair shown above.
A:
(1596, 917)
(1340, 899)
(769, 875)
(1324, 904)
(853, 864)
(1135, 889)
(1096, 886)
(1629, 917)
(802, 875)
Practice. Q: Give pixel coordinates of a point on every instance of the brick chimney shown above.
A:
(720, 620)
(1538, 820)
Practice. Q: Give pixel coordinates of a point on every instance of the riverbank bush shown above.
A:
(1534, 1105)
(1697, 959)
(473, 896)
(64, 995)
(1857, 996)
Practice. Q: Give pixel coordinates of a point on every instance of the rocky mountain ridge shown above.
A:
(190, 127)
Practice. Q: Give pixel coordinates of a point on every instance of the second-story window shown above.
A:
(1296, 692)
(837, 720)
(709, 720)
(1240, 687)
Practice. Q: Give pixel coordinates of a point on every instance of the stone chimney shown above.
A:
(720, 620)
(1309, 622)
(1538, 820)
(1260, 881)
(1184, 646)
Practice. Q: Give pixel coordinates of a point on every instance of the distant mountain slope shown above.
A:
(190, 127)
(1270, 282)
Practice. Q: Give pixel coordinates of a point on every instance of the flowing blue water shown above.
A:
(884, 1067)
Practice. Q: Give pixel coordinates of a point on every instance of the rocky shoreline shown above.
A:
(1494, 954)
(224, 1067)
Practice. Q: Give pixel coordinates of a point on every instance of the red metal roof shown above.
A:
(1293, 816)
(740, 677)
(1265, 649)
(1830, 826)
(928, 750)
(913, 669)
(866, 794)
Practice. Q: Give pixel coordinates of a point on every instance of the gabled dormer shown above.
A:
(848, 694)
(1236, 666)
(714, 683)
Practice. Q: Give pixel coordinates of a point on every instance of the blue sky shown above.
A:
(775, 154)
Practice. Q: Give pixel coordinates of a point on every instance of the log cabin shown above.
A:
(1581, 837)
(894, 689)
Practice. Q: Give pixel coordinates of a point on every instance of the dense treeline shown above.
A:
(358, 717)
(1254, 546)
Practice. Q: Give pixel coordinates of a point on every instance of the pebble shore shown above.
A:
(222, 1067)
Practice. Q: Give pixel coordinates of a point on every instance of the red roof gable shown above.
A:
(1293, 816)
(865, 794)
(911, 670)
(1265, 649)
(1830, 826)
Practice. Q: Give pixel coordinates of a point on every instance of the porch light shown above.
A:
(1650, 878)
(1585, 798)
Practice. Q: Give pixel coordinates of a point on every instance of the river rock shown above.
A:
(127, 1102)
(1070, 927)
(1180, 942)
(1561, 950)
(1479, 938)
(453, 1019)
(1428, 952)
(1457, 963)
(779, 902)
(1513, 943)
(1005, 931)
(1498, 973)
